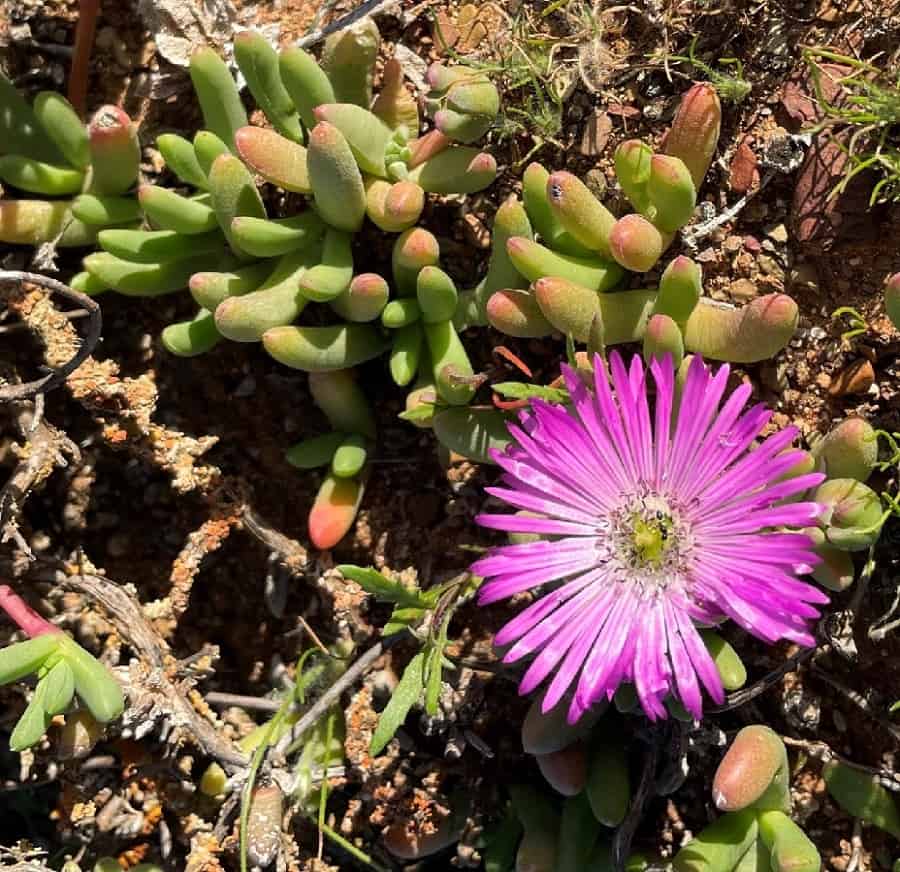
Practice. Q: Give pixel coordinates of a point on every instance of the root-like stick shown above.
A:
(739, 697)
(257, 703)
(824, 752)
(333, 694)
(621, 846)
(858, 700)
(59, 375)
(290, 552)
(45, 449)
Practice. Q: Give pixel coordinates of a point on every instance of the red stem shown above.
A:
(25, 617)
(88, 12)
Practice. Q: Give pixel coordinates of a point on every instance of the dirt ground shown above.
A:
(117, 513)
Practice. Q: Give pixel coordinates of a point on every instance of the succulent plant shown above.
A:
(892, 299)
(69, 178)
(751, 786)
(587, 766)
(63, 669)
(853, 514)
(251, 275)
(559, 256)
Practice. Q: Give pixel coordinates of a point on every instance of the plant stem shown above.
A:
(88, 12)
(25, 617)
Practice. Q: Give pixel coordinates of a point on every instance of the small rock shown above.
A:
(708, 255)
(778, 234)
(744, 173)
(246, 388)
(742, 289)
(751, 243)
(623, 110)
(596, 182)
(596, 134)
(733, 244)
(406, 841)
(770, 267)
(804, 275)
(856, 378)
(443, 31)
(476, 24)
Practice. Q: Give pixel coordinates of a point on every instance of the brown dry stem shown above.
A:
(45, 448)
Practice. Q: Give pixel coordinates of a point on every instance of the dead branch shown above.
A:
(122, 407)
(824, 752)
(739, 697)
(859, 701)
(317, 710)
(206, 539)
(44, 450)
(60, 373)
(290, 552)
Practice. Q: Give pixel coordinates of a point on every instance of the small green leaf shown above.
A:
(25, 658)
(373, 582)
(405, 696)
(402, 619)
(420, 412)
(434, 668)
(60, 688)
(99, 691)
(433, 687)
(523, 391)
(33, 723)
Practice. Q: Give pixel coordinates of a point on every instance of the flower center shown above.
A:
(650, 538)
(648, 542)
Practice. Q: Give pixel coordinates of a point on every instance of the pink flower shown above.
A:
(652, 524)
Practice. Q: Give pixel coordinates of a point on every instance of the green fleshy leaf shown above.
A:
(421, 412)
(59, 688)
(94, 683)
(33, 723)
(24, 658)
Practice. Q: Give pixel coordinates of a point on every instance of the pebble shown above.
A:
(751, 243)
(743, 173)
(596, 182)
(596, 134)
(778, 233)
(118, 545)
(733, 244)
(770, 267)
(742, 289)
(856, 378)
(246, 388)
(804, 275)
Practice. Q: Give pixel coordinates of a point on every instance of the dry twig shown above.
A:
(60, 374)
(44, 450)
